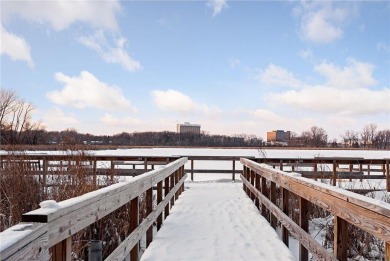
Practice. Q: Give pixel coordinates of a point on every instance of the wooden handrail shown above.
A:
(361, 211)
(47, 227)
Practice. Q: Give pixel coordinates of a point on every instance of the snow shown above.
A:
(216, 221)
(49, 204)
(14, 234)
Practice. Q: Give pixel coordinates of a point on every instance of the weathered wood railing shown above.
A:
(45, 233)
(332, 168)
(347, 208)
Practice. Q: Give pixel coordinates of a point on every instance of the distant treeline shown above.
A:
(315, 137)
(17, 128)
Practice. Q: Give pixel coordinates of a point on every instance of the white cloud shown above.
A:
(15, 47)
(275, 75)
(323, 23)
(217, 6)
(331, 100)
(353, 76)
(120, 121)
(61, 14)
(87, 91)
(348, 90)
(175, 101)
(172, 100)
(382, 46)
(56, 119)
(268, 116)
(115, 55)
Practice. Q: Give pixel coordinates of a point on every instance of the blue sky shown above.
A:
(234, 67)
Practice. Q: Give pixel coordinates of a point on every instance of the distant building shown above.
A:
(188, 128)
(278, 136)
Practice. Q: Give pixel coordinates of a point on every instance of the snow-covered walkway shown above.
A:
(216, 221)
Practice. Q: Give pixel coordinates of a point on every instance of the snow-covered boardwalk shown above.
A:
(216, 221)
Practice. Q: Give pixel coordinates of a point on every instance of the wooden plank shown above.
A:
(62, 251)
(387, 251)
(357, 210)
(304, 224)
(123, 249)
(192, 170)
(234, 170)
(149, 209)
(285, 207)
(304, 238)
(258, 187)
(166, 191)
(340, 245)
(134, 222)
(273, 200)
(159, 199)
(265, 193)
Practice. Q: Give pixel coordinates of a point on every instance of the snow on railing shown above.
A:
(368, 214)
(45, 233)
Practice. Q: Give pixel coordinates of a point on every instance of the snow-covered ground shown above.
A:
(216, 221)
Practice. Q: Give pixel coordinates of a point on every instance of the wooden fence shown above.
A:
(347, 208)
(332, 168)
(45, 233)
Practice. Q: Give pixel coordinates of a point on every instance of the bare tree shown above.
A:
(7, 100)
(350, 138)
(368, 135)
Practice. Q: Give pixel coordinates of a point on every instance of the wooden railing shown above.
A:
(261, 182)
(45, 233)
(332, 168)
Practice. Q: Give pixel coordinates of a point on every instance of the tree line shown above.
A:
(17, 127)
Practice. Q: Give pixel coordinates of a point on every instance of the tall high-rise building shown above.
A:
(188, 128)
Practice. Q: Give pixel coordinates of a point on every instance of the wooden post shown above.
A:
(176, 181)
(134, 222)
(93, 171)
(166, 191)
(387, 251)
(340, 245)
(252, 181)
(182, 175)
(159, 199)
(258, 188)
(264, 192)
(62, 251)
(334, 177)
(172, 181)
(285, 206)
(368, 169)
(192, 170)
(149, 209)
(273, 200)
(234, 171)
(146, 164)
(304, 224)
(315, 170)
(281, 164)
(45, 170)
(361, 170)
(244, 175)
(350, 170)
(387, 176)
